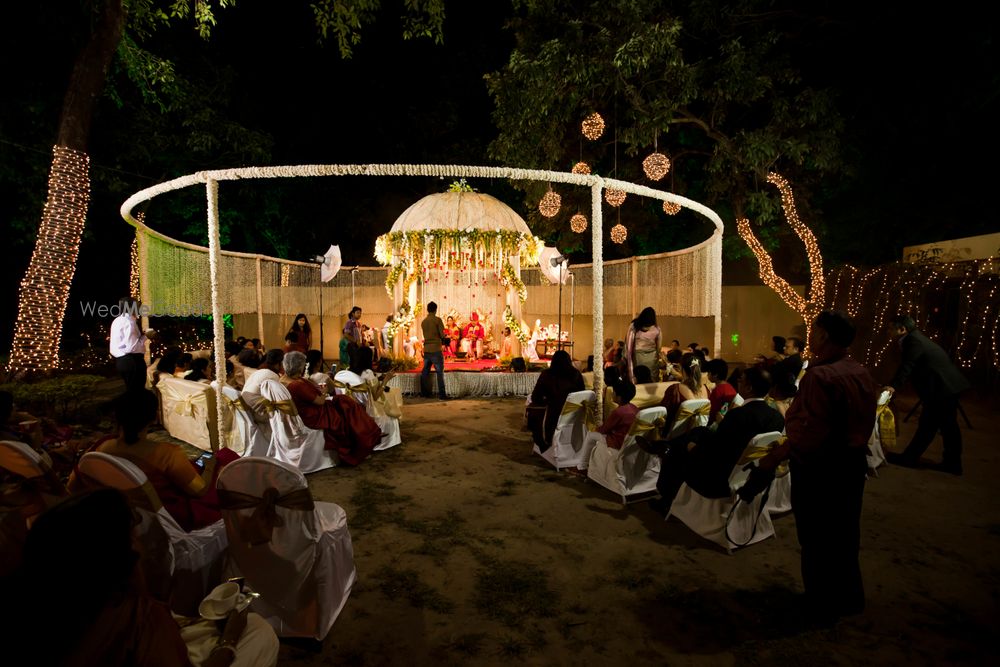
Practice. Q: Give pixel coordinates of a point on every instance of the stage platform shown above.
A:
(470, 378)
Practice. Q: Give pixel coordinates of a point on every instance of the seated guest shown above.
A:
(271, 369)
(111, 619)
(247, 362)
(186, 491)
(722, 392)
(166, 364)
(614, 429)
(689, 387)
(13, 425)
(291, 342)
(554, 384)
(183, 364)
(704, 458)
(202, 370)
(672, 373)
(786, 372)
(314, 362)
(346, 426)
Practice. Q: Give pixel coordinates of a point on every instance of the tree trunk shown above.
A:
(45, 288)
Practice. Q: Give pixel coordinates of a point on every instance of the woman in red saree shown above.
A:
(454, 335)
(347, 428)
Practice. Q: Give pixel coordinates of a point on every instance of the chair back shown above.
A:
(758, 446)
(291, 440)
(240, 437)
(352, 379)
(802, 372)
(650, 394)
(127, 477)
(574, 422)
(20, 459)
(637, 464)
(40, 487)
(189, 411)
(691, 414)
(278, 567)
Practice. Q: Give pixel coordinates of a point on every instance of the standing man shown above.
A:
(433, 330)
(128, 345)
(938, 384)
(352, 332)
(828, 426)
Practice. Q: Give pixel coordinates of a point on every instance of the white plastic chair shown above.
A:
(305, 571)
(244, 438)
(197, 555)
(708, 516)
(876, 453)
(567, 450)
(692, 413)
(388, 425)
(40, 488)
(629, 471)
(291, 440)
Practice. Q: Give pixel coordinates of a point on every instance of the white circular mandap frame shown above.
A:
(171, 273)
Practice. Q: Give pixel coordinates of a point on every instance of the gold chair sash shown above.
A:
(753, 452)
(686, 413)
(259, 526)
(236, 403)
(640, 427)
(589, 412)
(286, 406)
(886, 426)
(351, 390)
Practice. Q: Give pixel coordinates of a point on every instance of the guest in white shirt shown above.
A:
(128, 345)
(269, 370)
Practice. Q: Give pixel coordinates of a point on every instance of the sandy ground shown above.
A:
(471, 551)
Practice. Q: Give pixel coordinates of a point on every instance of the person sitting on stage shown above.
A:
(454, 334)
(554, 384)
(476, 334)
(346, 426)
(507, 345)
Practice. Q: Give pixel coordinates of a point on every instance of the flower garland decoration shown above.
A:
(394, 274)
(444, 247)
(403, 319)
(514, 326)
(460, 186)
(510, 279)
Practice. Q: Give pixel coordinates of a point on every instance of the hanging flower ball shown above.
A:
(549, 206)
(656, 166)
(581, 168)
(578, 223)
(619, 233)
(671, 208)
(593, 126)
(614, 197)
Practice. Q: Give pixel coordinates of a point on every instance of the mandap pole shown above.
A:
(597, 242)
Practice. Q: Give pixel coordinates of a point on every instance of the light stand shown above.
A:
(321, 260)
(559, 261)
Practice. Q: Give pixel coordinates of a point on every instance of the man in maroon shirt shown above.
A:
(828, 426)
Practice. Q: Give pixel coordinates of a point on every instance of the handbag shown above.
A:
(392, 402)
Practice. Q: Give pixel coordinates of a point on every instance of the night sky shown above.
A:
(919, 91)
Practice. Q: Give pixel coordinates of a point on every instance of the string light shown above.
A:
(133, 278)
(44, 290)
(614, 197)
(550, 204)
(581, 168)
(807, 308)
(619, 233)
(578, 223)
(656, 166)
(671, 208)
(592, 126)
(285, 270)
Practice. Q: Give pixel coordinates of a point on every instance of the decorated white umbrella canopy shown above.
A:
(464, 250)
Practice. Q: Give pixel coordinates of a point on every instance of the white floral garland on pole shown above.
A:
(218, 327)
(597, 241)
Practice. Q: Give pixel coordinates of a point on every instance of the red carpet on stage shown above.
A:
(464, 366)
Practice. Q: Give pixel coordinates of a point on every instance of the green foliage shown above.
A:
(344, 20)
(58, 397)
(712, 84)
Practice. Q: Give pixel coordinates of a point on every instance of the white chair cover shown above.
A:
(244, 438)
(708, 516)
(389, 425)
(691, 414)
(291, 440)
(41, 489)
(567, 449)
(630, 470)
(197, 556)
(188, 411)
(305, 573)
(876, 453)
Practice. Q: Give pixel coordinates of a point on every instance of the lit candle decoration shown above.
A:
(593, 126)
(614, 197)
(656, 166)
(550, 204)
(671, 208)
(619, 233)
(578, 223)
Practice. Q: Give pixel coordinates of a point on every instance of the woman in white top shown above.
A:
(642, 344)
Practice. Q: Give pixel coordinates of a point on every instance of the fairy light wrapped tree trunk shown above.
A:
(809, 306)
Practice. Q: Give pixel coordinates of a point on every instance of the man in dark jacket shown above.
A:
(705, 459)
(938, 384)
